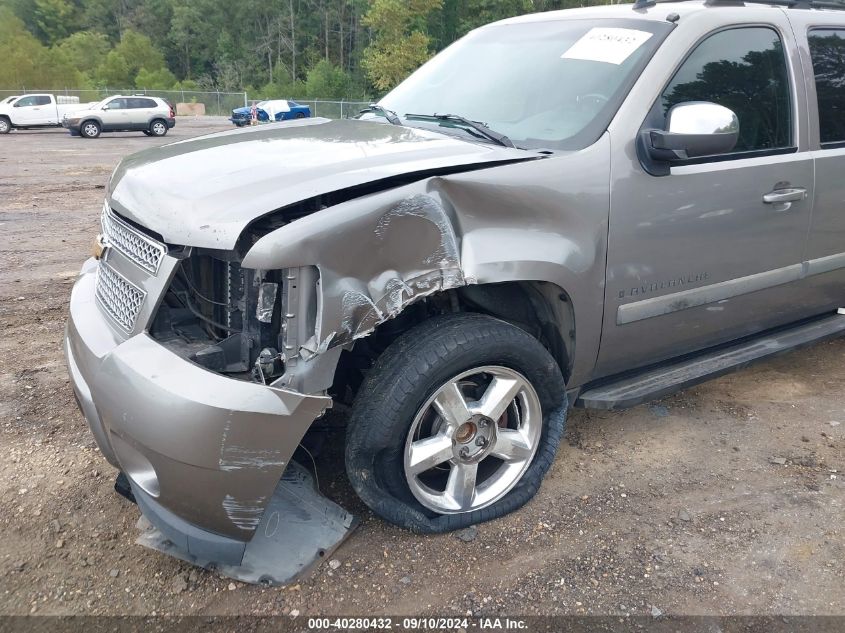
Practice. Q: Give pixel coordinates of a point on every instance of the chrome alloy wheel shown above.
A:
(473, 439)
(4, 126)
(159, 128)
(90, 129)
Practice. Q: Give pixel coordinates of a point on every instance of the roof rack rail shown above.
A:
(789, 4)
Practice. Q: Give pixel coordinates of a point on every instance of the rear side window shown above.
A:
(42, 100)
(743, 69)
(142, 103)
(827, 50)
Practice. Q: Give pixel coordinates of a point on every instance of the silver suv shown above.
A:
(151, 115)
(588, 208)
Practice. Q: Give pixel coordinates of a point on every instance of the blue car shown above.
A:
(272, 110)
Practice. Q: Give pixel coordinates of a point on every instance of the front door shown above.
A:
(34, 110)
(705, 253)
(116, 116)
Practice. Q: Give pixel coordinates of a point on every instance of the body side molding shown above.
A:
(694, 297)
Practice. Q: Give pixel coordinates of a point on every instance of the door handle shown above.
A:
(785, 195)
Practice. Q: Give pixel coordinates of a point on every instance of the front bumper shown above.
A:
(203, 452)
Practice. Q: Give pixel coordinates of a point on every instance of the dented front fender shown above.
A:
(379, 253)
(375, 256)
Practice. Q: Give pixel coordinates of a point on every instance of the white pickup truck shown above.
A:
(37, 110)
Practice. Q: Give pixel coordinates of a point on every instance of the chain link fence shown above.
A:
(333, 109)
(216, 103)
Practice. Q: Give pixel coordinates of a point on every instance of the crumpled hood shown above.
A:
(204, 191)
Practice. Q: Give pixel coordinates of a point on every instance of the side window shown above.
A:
(42, 100)
(743, 69)
(827, 50)
(25, 101)
(143, 103)
(117, 104)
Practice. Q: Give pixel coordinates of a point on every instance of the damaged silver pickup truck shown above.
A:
(630, 218)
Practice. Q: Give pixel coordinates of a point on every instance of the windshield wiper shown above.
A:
(390, 115)
(482, 129)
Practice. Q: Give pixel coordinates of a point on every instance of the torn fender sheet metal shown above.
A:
(375, 255)
(299, 528)
(429, 260)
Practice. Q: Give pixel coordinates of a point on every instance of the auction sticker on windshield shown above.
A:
(609, 45)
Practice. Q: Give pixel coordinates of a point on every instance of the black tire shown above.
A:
(406, 375)
(300, 115)
(158, 127)
(90, 129)
(5, 125)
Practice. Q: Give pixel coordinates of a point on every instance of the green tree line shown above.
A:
(354, 49)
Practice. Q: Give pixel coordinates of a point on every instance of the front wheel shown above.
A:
(158, 128)
(456, 423)
(90, 129)
(5, 125)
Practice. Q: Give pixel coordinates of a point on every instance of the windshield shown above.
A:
(548, 84)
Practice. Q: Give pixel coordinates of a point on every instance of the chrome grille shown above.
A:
(140, 249)
(119, 298)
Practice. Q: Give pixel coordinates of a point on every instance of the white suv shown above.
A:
(151, 115)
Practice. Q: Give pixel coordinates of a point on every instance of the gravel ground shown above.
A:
(724, 499)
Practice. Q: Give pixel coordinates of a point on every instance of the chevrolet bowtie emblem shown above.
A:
(100, 246)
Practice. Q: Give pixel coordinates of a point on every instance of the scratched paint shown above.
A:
(235, 457)
(238, 457)
(427, 208)
(245, 514)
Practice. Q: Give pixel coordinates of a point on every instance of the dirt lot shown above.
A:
(724, 499)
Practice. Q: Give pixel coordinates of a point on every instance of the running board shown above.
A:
(659, 382)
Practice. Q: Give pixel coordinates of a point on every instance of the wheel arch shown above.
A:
(541, 308)
(96, 120)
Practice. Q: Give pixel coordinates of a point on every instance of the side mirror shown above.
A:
(695, 128)
(106, 107)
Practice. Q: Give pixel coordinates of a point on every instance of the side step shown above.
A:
(661, 381)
